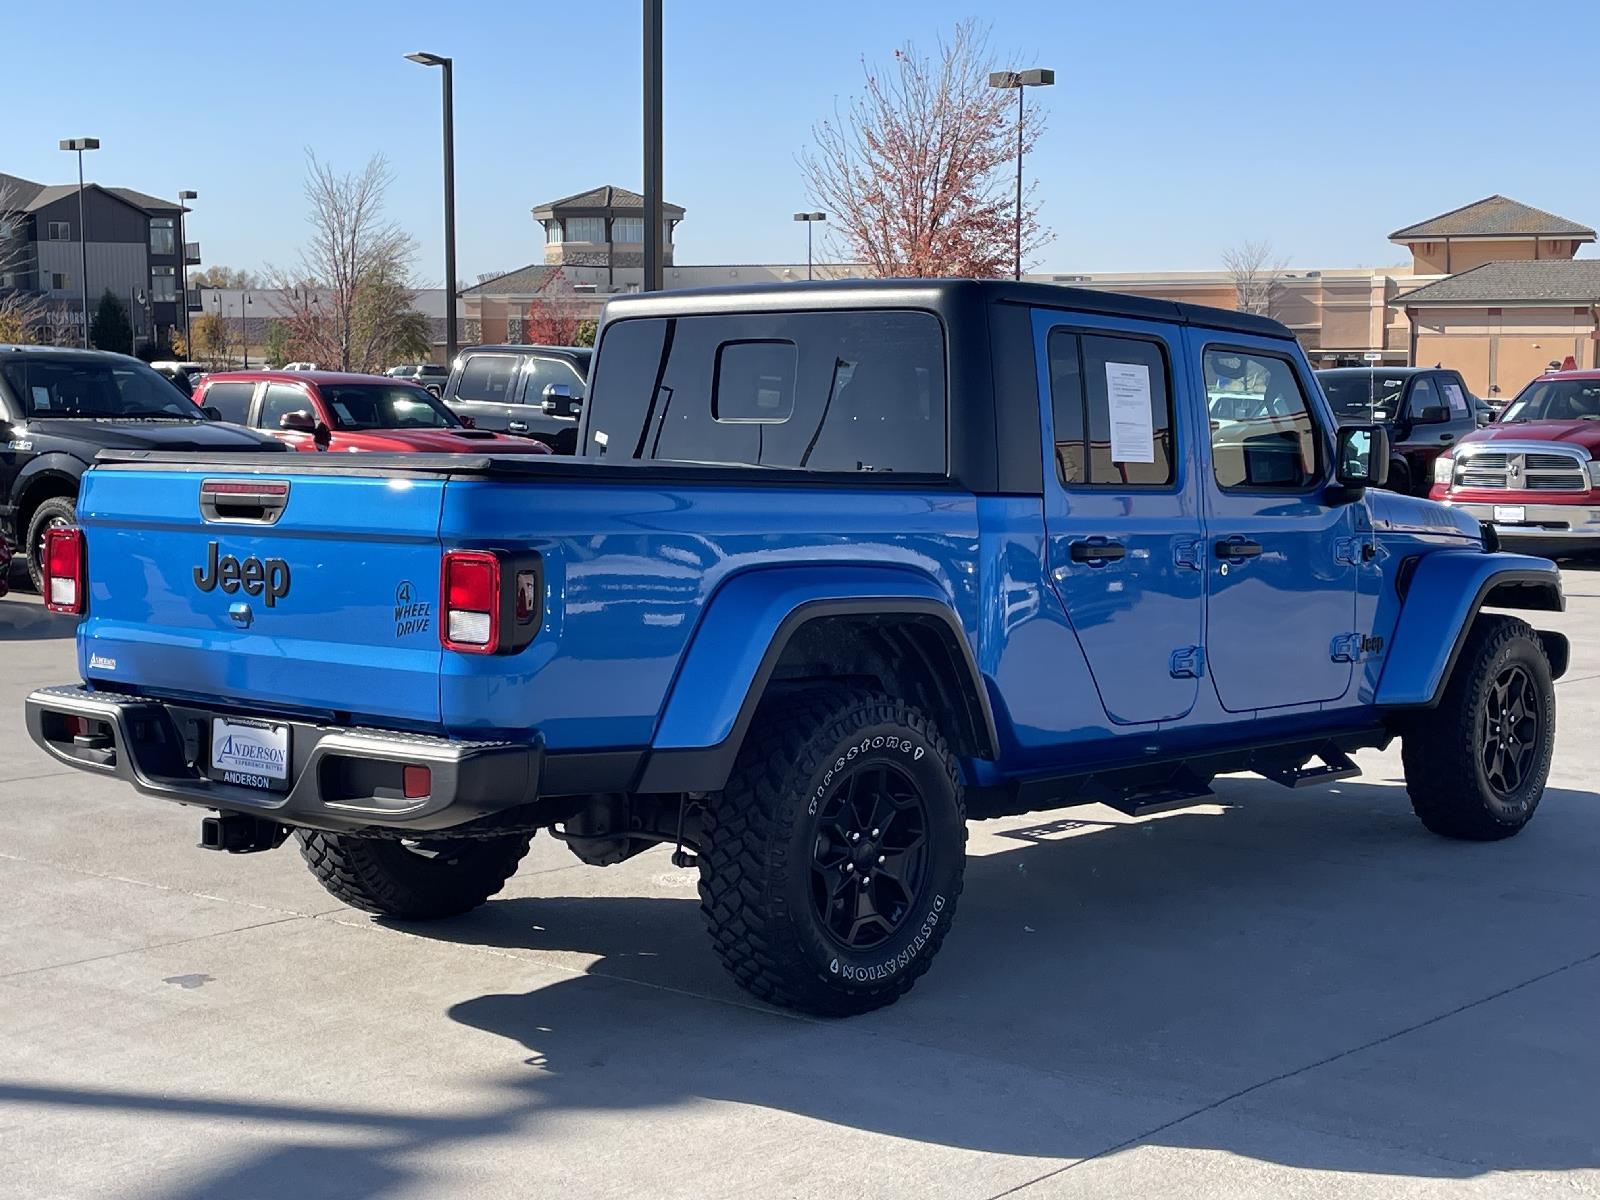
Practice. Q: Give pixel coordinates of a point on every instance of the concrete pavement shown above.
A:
(1281, 994)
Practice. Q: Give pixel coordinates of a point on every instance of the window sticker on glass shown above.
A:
(1132, 428)
(1457, 400)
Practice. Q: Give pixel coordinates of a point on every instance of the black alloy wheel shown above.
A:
(1509, 730)
(869, 858)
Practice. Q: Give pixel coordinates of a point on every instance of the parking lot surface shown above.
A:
(1282, 993)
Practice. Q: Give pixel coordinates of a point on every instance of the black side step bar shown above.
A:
(1183, 789)
(1333, 764)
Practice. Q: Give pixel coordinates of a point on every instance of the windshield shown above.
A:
(379, 406)
(89, 388)
(1363, 395)
(1556, 400)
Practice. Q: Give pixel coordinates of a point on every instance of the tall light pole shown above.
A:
(810, 218)
(80, 145)
(1021, 80)
(450, 192)
(183, 273)
(654, 234)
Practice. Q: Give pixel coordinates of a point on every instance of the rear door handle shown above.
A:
(1097, 550)
(517, 426)
(1235, 548)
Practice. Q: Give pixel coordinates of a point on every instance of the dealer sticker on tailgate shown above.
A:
(249, 753)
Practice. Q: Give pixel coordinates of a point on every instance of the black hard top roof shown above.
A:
(935, 294)
(524, 348)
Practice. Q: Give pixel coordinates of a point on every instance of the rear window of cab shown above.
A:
(851, 391)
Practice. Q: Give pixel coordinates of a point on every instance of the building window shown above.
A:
(163, 236)
(60, 281)
(585, 229)
(60, 231)
(628, 229)
(552, 232)
(163, 284)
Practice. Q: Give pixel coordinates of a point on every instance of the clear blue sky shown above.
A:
(1176, 129)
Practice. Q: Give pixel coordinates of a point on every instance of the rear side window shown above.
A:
(231, 400)
(821, 391)
(1112, 409)
(488, 377)
(1263, 436)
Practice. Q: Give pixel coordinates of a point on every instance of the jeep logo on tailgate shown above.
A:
(256, 576)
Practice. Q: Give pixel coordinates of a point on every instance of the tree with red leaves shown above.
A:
(556, 315)
(917, 175)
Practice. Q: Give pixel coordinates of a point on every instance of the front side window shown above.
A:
(541, 372)
(1423, 395)
(1262, 432)
(163, 236)
(487, 378)
(163, 284)
(280, 400)
(231, 400)
(371, 406)
(1112, 410)
(856, 391)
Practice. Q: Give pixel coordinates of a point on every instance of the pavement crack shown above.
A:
(199, 937)
(1301, 1070)
(146, 883)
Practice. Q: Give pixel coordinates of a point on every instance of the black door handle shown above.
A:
(1234, 548)
(1097, 550)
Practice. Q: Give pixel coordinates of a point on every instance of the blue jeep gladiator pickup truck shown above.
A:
(837, 567)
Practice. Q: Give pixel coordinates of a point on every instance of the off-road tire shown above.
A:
(1443, 748)
(761, 831)
(390, 878)
(58, 510)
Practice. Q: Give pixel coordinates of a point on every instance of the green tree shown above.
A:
(278, 343)
(586, 333)
(110, 329)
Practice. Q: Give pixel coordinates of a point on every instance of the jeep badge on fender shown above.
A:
(254, 575)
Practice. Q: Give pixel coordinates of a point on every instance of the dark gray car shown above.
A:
(1426, 409)
(536, 391)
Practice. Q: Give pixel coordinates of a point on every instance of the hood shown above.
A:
(445, 441)
(111, 434)
(1393, 513)
(1576, 433)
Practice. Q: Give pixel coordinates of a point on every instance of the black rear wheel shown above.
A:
(416, 880)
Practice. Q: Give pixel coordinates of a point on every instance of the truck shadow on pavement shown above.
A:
(1309, 981)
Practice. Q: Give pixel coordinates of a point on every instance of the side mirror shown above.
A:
(299, 422)
(559, 400)
(212, 413)
(1433, 414)
(468, 422)
(321, 435)
(1363, 460)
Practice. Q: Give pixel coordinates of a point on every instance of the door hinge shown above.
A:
(1353, 647)
(1188, 553)
(1188, 662)
(1347, 550)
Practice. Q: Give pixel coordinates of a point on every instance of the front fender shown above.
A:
(1445, 593)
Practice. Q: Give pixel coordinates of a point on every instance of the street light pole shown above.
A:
(1021, 80)
(810, 218)
(183, 273)
(80, 145)
(448, 81)
(654, 234)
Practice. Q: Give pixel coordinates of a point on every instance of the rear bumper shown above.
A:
(341, 778)
(1573, 526)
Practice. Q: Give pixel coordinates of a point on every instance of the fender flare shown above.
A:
(742, 634)
(55, 464)
(1442, 598)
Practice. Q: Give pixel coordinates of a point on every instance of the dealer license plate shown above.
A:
(1509, 514)
(250, 754)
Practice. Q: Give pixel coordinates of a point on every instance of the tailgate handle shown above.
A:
(244, 501)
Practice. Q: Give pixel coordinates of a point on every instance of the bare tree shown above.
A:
(224, 277)
(1256, 271)
(22, 311)
(917, 174)
(347, 301)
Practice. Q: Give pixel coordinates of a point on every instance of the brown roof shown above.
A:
(608, 196)
(1549, 281)
(1494, 216)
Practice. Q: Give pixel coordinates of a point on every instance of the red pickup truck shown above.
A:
(1533, 474)
(335, 411)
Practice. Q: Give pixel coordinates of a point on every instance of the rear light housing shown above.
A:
(490, 601)
(65, 570)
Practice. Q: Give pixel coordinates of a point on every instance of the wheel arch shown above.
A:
(1442, 599)
(45, 478)
(768, 628)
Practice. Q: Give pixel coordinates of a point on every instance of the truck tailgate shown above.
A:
(197, 588)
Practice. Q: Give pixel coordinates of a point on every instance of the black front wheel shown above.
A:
(831, 863)
(1476, 765)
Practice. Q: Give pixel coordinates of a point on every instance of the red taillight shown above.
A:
(469, 590)
(418, 782)
(64, 574)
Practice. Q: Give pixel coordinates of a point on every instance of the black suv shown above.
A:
(431, 376)
(537, 391)
(59, 408)
(1426, 409)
